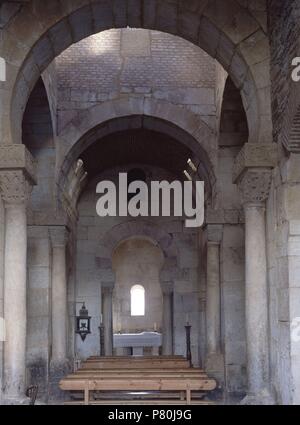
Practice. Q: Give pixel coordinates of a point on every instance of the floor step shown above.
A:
(140, 402)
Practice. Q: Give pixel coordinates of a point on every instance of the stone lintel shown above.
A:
(18, 158)
(255, 155)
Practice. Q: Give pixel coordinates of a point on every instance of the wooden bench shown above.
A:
(135, 363)
(186, 385)
(137, 375)
(163, 357)
(134, 373)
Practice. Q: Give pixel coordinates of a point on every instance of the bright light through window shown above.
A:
(137, 294)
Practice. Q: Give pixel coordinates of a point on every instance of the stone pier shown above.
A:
(167, 339)
(214, 357)
(253, 175)
(107, 319)
(59, 237)
(16, 180)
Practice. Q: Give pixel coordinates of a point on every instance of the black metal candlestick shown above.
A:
(101, 330)
(188, 343)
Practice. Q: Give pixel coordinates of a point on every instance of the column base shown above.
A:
(262, 398)
(214, 367)
(15, 401)
(58, 370)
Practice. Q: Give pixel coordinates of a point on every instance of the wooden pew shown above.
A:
(186, 385)
(145, 374)
(141, 358)
(163, 357)
(136, 374)
(136, 363)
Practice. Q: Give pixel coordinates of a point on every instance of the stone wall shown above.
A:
(138, 63)
(283, 238)
(233, 122)
(284, 31)
(49, 77)
(233, 308)
(221, 78)
(137, 262)
(39, 308)
(39, 140)
(90, 271)
(1, 287)
(232, 270)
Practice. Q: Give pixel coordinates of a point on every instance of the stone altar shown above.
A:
(137, 341)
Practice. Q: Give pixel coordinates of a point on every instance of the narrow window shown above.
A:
(137, 295)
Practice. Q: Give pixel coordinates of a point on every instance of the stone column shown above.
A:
(107, 319)
(2, 322)
(167, 333)
(16, 179)
(214, 357)
(252, 172)
(59, 237)
(254, 187)
(213, 298)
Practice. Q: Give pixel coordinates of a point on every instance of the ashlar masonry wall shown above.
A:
(138, 63)
(91, 233)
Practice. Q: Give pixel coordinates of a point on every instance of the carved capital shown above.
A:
(255, 185)
(18, 158)
(14, 187)
(254, 155)
(214, 233)
(167, 288)
(169, 273)
(59, 235)
(107, 288)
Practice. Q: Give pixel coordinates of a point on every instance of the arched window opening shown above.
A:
(137, 296)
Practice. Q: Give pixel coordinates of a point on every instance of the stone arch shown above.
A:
(147, 230)
(134, 228)
(103, 119)
(170, 270)
(236, 37)
(90, 125)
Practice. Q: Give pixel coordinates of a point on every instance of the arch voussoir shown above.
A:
(90, 125)
(129, 229)
(218, 30)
